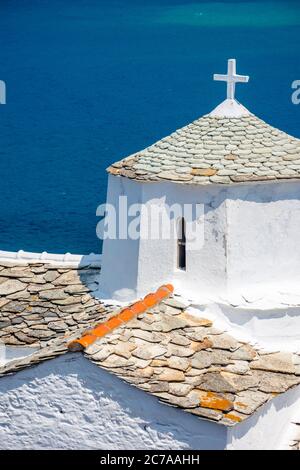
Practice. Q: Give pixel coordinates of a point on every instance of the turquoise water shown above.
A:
(90, 81)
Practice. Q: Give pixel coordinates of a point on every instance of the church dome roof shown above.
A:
(229, 145)
(216, 149)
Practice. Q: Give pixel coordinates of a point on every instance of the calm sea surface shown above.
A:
(91, 81)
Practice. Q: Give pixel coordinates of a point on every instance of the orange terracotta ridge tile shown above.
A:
(125, 315)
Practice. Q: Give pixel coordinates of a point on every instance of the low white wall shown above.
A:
(51, 258)
(69, 403)
(275, 329)
(268, 428)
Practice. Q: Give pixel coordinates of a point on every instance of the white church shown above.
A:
(188, 341)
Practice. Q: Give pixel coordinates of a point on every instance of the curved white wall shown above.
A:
(131, 268)
(251, 241)
(205, 265)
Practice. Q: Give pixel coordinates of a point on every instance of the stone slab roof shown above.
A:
(41, 302)
(181, 359)
(186, 362)
(216, 150)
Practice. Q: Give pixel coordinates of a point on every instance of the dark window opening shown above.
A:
(181, 245)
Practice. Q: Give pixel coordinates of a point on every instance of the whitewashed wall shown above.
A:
(140, 266)
(270, 427)
(206, 265)
(273, 329)
(263, 223)
(251, 241)
(69, 403)
(120, 256)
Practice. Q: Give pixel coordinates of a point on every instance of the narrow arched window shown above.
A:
(181, 245)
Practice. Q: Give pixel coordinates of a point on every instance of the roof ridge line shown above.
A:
(125, 315)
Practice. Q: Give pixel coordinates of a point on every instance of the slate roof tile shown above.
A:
(203, 152)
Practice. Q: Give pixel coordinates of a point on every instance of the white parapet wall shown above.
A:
(19, 257)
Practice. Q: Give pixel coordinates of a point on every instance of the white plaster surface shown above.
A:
(120, 256)
(21, 257)
(276, 329)
(246, 274)
(270, 427)
(69, 403)
(230, 109)
(10, 353)
(263, 223)
(251, 244)
(142, 265)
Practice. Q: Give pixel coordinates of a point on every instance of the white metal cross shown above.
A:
(231, 78)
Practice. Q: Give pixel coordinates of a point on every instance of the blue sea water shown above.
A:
(91, 81)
